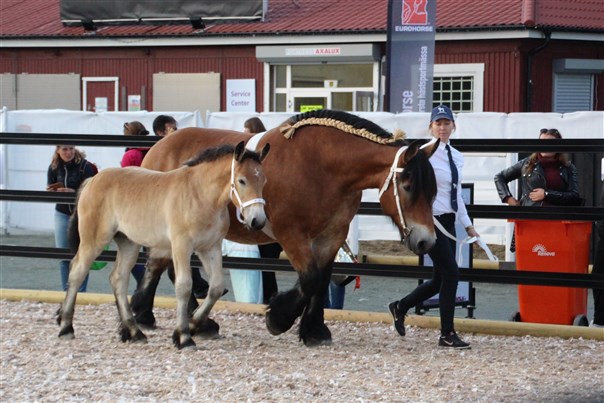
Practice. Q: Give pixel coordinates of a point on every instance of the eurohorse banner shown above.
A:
(410, 54)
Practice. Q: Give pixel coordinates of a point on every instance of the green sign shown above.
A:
(308, 108)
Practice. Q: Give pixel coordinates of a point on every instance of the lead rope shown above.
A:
(240, 205)
(468, 240)
(394, 169)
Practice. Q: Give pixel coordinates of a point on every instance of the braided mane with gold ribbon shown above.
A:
(345, 122)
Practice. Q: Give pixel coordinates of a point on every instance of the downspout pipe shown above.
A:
(529, 67)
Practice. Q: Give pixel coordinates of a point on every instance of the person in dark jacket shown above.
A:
(68, 169)
(546, 178)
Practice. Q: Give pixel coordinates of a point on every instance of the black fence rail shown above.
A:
(529, 277)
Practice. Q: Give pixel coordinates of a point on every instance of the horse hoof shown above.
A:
(145, 320)
(67, 333)
(139, 338)
(277, 326)
(312, 342)
(209, 329)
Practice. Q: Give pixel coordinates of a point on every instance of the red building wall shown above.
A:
(135, 66)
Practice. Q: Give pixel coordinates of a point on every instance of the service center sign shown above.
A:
(241, 95)
(411, 33)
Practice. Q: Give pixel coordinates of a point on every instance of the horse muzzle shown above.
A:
(419, 241)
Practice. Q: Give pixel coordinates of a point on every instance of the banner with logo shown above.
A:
(410, 58)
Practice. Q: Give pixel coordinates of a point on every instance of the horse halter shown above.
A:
(394, 169)
(241, 205)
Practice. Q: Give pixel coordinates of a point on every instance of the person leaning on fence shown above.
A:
(447, 207)
(164, 125)
(272, 250)
(67, 170)
(133, 157)
(546, 179)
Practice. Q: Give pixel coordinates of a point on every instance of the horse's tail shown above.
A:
(73, 235)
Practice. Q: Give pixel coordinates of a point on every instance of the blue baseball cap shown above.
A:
(441, 112)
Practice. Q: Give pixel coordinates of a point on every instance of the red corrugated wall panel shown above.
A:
(503, 81)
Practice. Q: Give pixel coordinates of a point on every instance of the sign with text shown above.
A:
(410, 56)
(241, 95)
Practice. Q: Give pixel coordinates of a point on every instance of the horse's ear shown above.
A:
(411, 151)
(264, 152)
(239, 150)
(431, 149)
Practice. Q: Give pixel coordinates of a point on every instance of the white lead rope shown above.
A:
(468, 240)
(240, 205)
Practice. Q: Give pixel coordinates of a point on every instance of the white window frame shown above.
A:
(474, 70)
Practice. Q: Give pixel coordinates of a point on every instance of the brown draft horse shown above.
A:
(173, 213)
(323, 161)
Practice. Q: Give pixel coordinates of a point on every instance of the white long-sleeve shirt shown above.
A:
(442, 170)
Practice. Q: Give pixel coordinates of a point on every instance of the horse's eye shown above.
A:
(241, 182)
(407, 188)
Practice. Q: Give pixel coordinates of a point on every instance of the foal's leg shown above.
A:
(143, 297)
(181, 255)
(79, 269)
(201, 324)
(127, 255)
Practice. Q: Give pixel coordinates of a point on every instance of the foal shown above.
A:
(174, 214)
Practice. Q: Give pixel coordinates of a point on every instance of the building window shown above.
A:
(460, 86)
(457, 92)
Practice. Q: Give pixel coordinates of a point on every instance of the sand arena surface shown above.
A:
(367, 362)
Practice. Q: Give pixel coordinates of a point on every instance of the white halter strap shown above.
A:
(240, 205)
(394, 169)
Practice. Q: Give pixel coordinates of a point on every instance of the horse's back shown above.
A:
(173, 150)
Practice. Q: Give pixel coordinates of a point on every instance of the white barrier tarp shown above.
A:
(26, 165)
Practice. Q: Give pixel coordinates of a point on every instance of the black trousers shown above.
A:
(445, 276)
(269, 281)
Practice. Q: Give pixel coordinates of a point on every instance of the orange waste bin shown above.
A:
(553, 246)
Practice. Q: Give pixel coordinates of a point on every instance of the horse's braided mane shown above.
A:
(345, 122)
(214, 153)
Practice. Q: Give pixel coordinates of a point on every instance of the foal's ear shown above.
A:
(239, 150)
(264, 152)
(431, 149)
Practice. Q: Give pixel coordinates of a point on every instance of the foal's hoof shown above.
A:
(66, 333)
(183, 343)
(209, 329)
(139, 337)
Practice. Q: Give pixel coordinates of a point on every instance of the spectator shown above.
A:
(272, 250)
(164, 125)
(546, 179)
(134, 157)
(447, 207)
(67, 170)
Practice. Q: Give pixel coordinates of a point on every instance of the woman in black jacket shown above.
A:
(547, 178)
(67, 170)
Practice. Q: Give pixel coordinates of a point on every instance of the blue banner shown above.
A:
(410, 56)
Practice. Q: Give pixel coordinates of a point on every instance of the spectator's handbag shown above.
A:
(98, 265)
